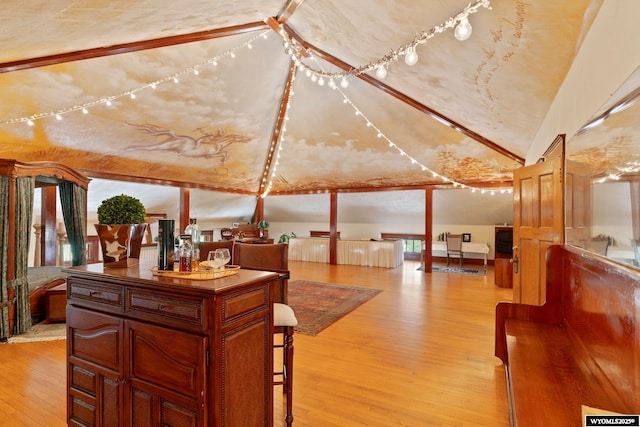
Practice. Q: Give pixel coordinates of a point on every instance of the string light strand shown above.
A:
(108, 100)
(460, 24)
(380, 134)
(279, 146)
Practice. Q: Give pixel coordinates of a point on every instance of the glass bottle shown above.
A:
(185, 252)
(165, 244)
(193, 229)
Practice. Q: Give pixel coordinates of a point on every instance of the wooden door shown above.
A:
(538, 222)
(578, 204)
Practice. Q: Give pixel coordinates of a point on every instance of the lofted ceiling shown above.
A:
(204, 94)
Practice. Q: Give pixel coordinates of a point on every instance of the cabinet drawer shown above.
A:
(167, 309)
(85, 291)
(240, 304)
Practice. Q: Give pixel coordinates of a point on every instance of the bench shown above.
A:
(581, 348)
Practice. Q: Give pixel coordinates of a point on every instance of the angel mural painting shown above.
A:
(207, 145)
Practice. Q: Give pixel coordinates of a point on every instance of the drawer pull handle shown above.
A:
(95, 293)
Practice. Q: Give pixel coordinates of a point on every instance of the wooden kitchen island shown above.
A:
(148, 350)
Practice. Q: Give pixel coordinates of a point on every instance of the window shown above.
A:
(412, 244)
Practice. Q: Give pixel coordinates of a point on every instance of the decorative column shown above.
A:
(37, 252)
(62, 234)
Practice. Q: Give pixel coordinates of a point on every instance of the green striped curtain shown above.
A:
(24, 211)
(4, 243)
(73, 199)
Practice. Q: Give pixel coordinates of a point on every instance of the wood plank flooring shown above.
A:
(418, 354)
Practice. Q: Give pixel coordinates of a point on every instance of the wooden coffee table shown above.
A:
(56, 304)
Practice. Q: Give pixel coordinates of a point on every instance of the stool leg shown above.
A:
(287, 386)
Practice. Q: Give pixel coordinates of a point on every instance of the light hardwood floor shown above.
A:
(418, 354)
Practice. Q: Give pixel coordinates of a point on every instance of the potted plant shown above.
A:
(263, 226)
(121, 227)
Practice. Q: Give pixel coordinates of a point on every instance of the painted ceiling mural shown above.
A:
(207, 112)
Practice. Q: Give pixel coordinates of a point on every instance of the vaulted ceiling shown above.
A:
(244, 97)
(455, 115)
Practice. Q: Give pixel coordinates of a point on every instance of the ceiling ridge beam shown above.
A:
(277, 129)
(406, 99)
(118, 49)
(288, 10)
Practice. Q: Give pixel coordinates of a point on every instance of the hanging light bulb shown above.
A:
(463, 29)
(344, 83)
(381, 72)
(411, 56)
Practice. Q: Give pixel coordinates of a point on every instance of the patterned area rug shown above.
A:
(437, 268)
(42, 332)
(319, 305)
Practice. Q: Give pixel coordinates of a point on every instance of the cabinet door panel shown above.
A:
(166, 358)
(95, 338)
(247, 379)
(145, 413)
(167, 372)
(94, 368)
(81, 412)
(110, 399)
(142, 412)
(175, 415)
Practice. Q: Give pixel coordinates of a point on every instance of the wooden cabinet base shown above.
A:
(503, 273)
(149, 350)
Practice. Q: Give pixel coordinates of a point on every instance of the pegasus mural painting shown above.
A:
(207, 145)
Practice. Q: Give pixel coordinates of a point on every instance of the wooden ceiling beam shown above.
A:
(271, 156)
(288, 10)
(487, 186)
(407, 100)
(117, 49)
(91, 173)
(362, 189)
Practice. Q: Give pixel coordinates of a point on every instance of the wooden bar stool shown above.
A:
(275, 257)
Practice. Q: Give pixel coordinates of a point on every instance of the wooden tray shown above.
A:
(197, 275)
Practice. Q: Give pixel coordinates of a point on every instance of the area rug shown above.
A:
(318, 305)
(42, 332)
(437, 268)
